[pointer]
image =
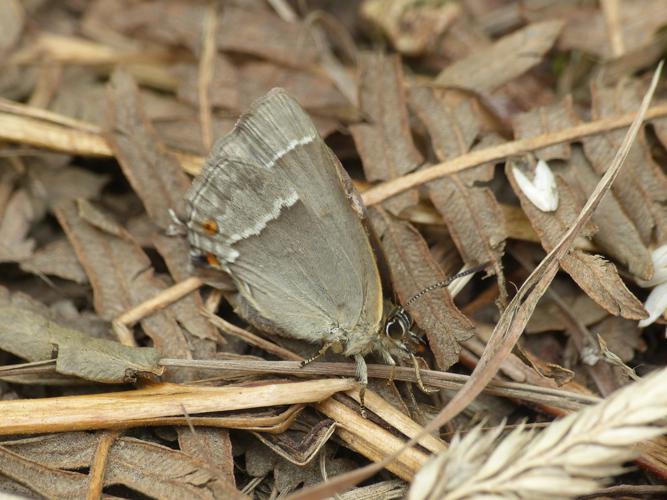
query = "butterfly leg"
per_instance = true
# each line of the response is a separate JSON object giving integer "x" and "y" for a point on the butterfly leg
{"x": 418, "y": 375}
{"x": 362, "y": 378}
{"x": 318, "y": 354}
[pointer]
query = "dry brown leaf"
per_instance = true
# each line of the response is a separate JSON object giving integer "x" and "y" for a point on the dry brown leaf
{"x": 160, "y": 472}
{"x": 56, "y": 258}
{"x": 48, "y": 449}
{"x": 155, "y": 176}
{"x": 179, "y": 22}
{"x": 44, "y": 480}
{"x": 211, "y": 446}
{"x": 50, "y": 185}
{"x": 412, "y": 269}
{"x": 597, "y": 277}
{"x": 544, "y": 120}
{"x": 121, "y": 276}
{"x": 616, "y": 235}
{"x": 472, "y": 214}
{"x": 384, "y": 142}
{"x": 487, "y": 69}
{"x": 145, "y": 467}
{"x": 36, "y": 338}
{"x": 642, "y": 187}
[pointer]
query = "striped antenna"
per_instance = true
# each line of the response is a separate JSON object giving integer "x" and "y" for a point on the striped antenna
{"x": 446, "y": 282}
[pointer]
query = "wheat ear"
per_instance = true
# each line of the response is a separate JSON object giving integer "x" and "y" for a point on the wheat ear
{"x": 574, "y": 456}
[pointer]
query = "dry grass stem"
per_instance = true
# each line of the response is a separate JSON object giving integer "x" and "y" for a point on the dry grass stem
{"x": 571, "y": 457}
{"x": 444, "y": 380}
{"x": 160, "y": 301}
{"x": 206, "y": 65}
{"x": 123, "y": 409}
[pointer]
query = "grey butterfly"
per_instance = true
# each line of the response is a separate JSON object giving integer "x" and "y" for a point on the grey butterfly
{"x": 274, "y": 208}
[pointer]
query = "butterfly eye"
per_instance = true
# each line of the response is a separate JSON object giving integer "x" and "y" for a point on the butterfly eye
{"x": 395, "y": 329}
{"x": 398, "y": 325}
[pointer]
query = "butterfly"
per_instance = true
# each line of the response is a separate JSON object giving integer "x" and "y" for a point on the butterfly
{"x": 274, "y": 208}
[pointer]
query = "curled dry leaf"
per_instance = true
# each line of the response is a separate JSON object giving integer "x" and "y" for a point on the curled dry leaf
{"x": 573, "y": 456}
{"x": 35, "y": 338}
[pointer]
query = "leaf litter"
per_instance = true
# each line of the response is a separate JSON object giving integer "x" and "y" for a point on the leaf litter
{"x": 105, "y": 107}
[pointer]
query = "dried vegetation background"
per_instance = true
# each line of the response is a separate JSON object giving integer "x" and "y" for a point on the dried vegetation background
{"x": 479, "y": 131}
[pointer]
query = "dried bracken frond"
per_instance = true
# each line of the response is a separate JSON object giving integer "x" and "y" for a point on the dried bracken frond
{"x": 573, "y": 456}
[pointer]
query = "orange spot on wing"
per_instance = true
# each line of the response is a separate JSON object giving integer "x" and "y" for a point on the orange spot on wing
{"x": 212, "y": 260}
{"x": 210, "y": 226}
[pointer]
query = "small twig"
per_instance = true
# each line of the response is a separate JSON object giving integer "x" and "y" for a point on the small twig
{"x": 160, "y": 301}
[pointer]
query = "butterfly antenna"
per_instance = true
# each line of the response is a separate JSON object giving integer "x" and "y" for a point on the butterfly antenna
{"x": 446, "y": 282}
